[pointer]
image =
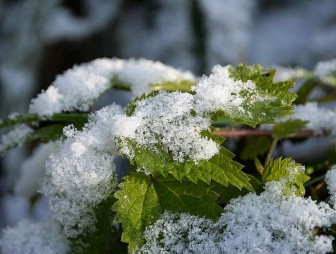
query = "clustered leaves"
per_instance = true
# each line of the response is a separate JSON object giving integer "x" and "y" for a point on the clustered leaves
{"x": 180, "y": 166}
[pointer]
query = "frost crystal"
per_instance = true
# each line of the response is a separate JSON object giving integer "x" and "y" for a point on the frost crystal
{"x": 82, "y": 173}
{"x": 325, "y": 70}
{"x": 267, "y": 223}
{"x": 166, "y": 121}
{"x": 16, "y": 137}
{"x": 34, "y": 238}
{"x": 77, "y": 88}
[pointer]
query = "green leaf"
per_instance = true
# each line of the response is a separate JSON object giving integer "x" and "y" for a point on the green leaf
{"x": 289, "y": 170}
{"x": 132, "y": 105}
{"x": 284, "y": 129}
{"x": 171, "y": 86}
{"x": 137, "y": 207}
{"x": 230, "y": 192}
{"x": 43, "y": 134}
{"x": 255, "y": 146}
{"x": 220, "y": 168}
{"x": 269, "y": 101}
{"x": 97, "y": 241}
{"x": 80, "y": 118}
{"x": 259, "y": 166}
{"x": 46, "y": 129}
{"x": 142, "y": 199}
{"x": 305, "y": 89}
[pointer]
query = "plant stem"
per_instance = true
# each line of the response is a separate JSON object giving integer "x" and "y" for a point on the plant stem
{"x": 270, "y": 152}
{"x": 315, "y": 180}
{"x": 19, "y": 119}
{"x": 257, "y": 132}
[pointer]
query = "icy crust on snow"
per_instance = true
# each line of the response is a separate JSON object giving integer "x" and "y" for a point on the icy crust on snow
{"x": 166, "y": 121}
{"x": 325, "y": 70}
{"x": 34, "y": 238}
{"x": 77, "y": 88}
{"x": 15, "y": 137}
{"x": 81, "y": 174}
{"x": 267, "y": 223}
{"x": 330, "y": 180}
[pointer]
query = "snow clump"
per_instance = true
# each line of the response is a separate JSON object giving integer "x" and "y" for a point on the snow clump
{"x": 326, "y": 70}
{"x": 79, "y": 87}
{"x": 81, "y": 174}
{"x": 166, "y": 121}
{"x": 35, "y": 238}
{"x": 267, "y": 223}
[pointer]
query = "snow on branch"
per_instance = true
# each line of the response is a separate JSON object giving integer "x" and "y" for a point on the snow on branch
{"x": 77, "y": 88}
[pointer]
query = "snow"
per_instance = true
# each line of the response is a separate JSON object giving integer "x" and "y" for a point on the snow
{"x": 32, "y": 171}
{"x": 326, "y": 70}
{"x": 330, "y": 180}
{"x": 79, "y": 87}
{"x": 166, "y": 121}
{"x": 81, "y": 173}
{"x": 271, "y": 222}
{"x": 34, "y": 238}
{"x": 221, "y": 92}
{"x": 15, "y": 137}
{"x": 321, "y": 120}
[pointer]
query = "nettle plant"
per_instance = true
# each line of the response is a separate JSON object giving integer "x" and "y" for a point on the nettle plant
{"x": 185, "y": 191}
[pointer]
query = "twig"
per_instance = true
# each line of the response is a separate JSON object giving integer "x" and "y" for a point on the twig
{"x": 257, "y": 132}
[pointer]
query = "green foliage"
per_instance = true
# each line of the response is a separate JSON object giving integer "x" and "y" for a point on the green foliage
{"x": 230, "y": 192}
{"x": 98, "y": 241}
{"x": 132, "y": 105}
{"x": 285, "y": 129}
{"x": 56, "y": 118}
{"x": 44, "y": 129}
{"x": 288, "y": 170}
{"x": 142, "y": 199}
{"x": 43, "y": 135}
{"x": 276, "y": 99}
{"x": 200, "y": 188}
{"x": 220, "y": 168}
{"x": 255, "y": 146}
{"x": 306, "y": 88}
{"x": 171, "y": 86}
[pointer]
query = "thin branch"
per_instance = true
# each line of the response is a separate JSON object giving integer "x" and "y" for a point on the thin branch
{"x": 257, "y": 132}
{"x": 270, "y": 152}
{"x": 314, "y": 181}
